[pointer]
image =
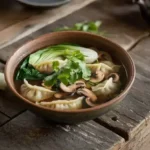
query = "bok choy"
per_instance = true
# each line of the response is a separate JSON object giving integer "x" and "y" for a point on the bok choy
{"x": 60, "y": 52}
{"x": 60, "y": 63}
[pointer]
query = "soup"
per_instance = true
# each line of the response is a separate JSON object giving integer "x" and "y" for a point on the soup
{"x": 69, "y": 77}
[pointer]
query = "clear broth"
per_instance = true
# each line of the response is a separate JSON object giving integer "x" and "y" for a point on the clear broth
{"x": 122, "y": 73}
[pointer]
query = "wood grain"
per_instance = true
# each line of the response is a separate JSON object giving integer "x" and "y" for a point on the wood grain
{"x": 11, "y": 12}
{"x": 132, "y": 115}
{"x": 22, "y": 29}
{"x": 34, "y": 133}
{"x": 9, "y": 104}
{"x": 141, "y": 141}
{"x": 117, "y": 21}
{"x": 3, "y": 119}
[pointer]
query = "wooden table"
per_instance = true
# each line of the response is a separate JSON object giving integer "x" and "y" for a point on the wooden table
{"x": 126, "y": 127}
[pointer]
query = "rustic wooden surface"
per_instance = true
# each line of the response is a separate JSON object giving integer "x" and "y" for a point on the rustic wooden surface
{"x": 34, "y": 133}
{"x": 9, "y": 104}
{"x": 116, "y": 24}
{"x": 25, "y": 27}
{"x": 134, "y": 112}
{"x": 10, "y": 11}
{"x": 126, "y": 127}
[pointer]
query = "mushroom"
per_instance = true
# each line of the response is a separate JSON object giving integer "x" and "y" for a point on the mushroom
{"x": 98, "y": 76}
{"x": 115, "y": 77}
{"x": 90, "y": 96}
{"x": 73, "y": 87}
{"x": 104, "y": 56}
{"x": 60, "y": 95}
{"x": 90, "y": 103}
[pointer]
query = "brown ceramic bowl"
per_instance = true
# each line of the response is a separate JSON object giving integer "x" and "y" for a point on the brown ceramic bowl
{"x": 81, "y": 38}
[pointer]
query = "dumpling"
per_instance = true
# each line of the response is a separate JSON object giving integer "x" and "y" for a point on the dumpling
{"x": 106, "y": 89}
{"x": 47, "y": 67}
{"x": 112, "y": 65}
{"x": 73, "y": 104}
{"x": 108, "y": 67}
{"x": 35, "y": 93}
{"x": 94, "y": 67}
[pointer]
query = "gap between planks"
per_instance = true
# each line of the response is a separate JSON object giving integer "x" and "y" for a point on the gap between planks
{"x": 11, "y": 118}
{"x": 116, "y": 130}
{"x": 138, "y": 41}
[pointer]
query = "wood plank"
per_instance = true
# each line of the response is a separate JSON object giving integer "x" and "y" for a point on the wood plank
{"x": 141, "y": 141}
{"x": 3, "y": 119}
{"x": 9, "y": 104}
{"x": 34, "y": 23}
{"x": 118, "y": 23}
{"x": 133, "y": 115}
{"x": 34, "y": 133}
{"x": 14, "y": 13}
{"x": 141, "y": 53}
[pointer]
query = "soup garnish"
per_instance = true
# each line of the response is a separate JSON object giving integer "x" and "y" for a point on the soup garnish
{"x": 69, "y": 77}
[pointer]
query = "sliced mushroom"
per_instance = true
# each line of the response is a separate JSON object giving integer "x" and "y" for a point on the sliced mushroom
{"x": 73, "y": 87}
{"x": 90, "y": 96}
{"x": 87, "y": 93}
{"x": 104, "y": 56}
{"x": 98, "y": 76}
{"x": 88, "y": 102}
{"x": 115, "y": 77}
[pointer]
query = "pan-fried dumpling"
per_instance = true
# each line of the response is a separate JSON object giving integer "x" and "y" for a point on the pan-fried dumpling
{"x": 108, "y": 67}
{"x": 47, "y": 67}
{"x": 35, "y": 93}
{"x": 72, "y": 104}
{"x": 106, "y": 89}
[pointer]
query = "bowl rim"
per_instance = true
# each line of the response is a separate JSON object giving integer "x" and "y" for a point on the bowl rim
{"x": 47, "y": 4}
{"x": 104, "y": 105}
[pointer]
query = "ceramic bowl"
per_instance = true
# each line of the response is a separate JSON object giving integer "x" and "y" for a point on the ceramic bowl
{"x": 43, "y": 3}
{"x": 83, "y": 39}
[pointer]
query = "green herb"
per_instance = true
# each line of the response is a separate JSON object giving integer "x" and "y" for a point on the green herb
{"x": 51, "y": 79}
{"x": 55, "y": 65}
{"x": 75, "y": 69}
{"x": 52, "y": 55}
{"x": 26, "y": 71}
{"x": 92, "y": 27}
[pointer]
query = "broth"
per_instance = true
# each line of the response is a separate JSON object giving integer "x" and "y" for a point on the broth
{"x": 123, "y": 79}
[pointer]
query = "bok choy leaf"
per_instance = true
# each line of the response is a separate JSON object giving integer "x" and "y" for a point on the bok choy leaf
{"x": 26, "y": 71}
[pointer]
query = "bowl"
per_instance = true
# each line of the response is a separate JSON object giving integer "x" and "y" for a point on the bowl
{"x": 80, "y": 38}
{"x": 43, "y": 3}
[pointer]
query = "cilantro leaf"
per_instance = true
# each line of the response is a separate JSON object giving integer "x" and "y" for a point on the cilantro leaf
{"x": 55, "y": 65}
{"x": 74, "y": 70}
{"x": 92, "y": 27}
